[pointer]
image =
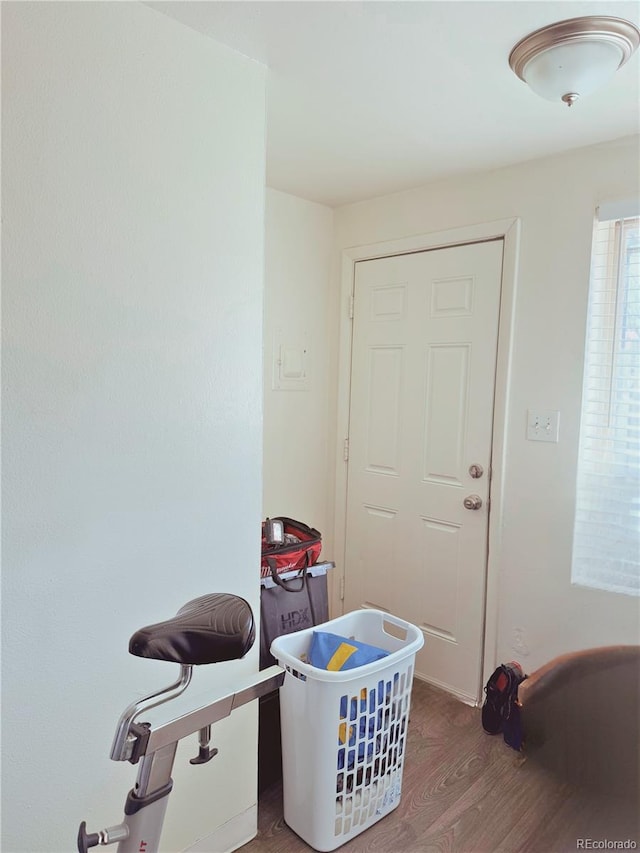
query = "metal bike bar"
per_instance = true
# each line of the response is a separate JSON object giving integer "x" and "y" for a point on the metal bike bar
{"x": 122, "y": 743}
{"x": 252, "y": 687}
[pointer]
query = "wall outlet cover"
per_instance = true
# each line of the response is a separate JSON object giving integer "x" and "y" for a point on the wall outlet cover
{"x": 543, "y": 425}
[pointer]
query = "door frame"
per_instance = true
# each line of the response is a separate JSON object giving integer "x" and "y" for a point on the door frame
{"x": 509, "y": 231}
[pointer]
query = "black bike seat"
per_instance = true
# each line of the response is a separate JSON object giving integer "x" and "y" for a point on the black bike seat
{"x": 209, "y": 629}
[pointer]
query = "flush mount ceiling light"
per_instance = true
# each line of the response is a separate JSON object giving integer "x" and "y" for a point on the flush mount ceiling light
{"x": 572, "y": 58}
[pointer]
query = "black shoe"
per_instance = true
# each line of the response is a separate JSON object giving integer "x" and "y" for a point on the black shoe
{"x": 499, "y": 689}
{"x": 512, "y": 727}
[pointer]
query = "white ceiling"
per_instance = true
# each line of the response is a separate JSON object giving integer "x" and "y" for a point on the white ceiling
{"x": 368, "y": 98}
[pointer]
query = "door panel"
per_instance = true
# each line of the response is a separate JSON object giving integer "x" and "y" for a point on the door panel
{"x": 445, "y": 414}
{"x": 383, "y": 427}
{"x": 422, "y": 386}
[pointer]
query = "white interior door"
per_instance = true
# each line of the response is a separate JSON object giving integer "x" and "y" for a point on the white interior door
{"x": 422, "y": 389}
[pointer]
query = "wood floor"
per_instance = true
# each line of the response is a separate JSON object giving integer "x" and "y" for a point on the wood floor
{"x": 465, "y": 791}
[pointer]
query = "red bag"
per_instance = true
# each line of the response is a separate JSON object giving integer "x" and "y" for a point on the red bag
{"x": 301, "y": 548}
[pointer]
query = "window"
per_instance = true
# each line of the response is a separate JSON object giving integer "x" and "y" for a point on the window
{"x": 606, "y": 547}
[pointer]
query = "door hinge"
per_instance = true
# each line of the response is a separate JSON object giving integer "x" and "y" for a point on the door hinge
{"x": 351, "y": 306}
{"x": 342, "y": 588}
{"x": 345, "y": 450}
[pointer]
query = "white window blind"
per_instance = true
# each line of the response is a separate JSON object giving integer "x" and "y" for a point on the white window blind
{"x": 606, "y": 548}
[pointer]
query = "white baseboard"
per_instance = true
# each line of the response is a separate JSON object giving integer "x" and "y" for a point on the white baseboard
{"x": 231, "y": 835}
{"x": 463, "y": 697}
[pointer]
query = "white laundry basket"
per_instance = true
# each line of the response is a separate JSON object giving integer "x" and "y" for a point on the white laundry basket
{"x": 344, "y": 733}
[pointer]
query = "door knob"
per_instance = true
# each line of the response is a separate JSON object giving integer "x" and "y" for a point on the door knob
{"x": 472, "y": 502}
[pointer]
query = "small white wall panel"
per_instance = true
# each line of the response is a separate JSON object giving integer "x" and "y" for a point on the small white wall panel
{"x": 290, "y": 361}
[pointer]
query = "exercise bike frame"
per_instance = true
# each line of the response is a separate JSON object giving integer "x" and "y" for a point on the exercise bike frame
{"x": 153, "y": 748}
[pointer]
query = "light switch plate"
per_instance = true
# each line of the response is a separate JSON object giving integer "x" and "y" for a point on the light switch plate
{"x": 543, "y": 425}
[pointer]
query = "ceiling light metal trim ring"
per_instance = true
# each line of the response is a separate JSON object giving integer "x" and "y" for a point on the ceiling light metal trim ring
{"x": 591, "y": 28}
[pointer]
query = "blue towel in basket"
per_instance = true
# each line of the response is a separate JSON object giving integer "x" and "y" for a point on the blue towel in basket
{"x": 334, "y": 653}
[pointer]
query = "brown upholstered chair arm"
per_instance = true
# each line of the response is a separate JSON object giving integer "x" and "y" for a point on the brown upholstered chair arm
{"x": 580, "y": 718}
{"x": 569, "y": 668}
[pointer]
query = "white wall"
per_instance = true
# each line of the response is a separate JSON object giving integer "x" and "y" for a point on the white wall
{"x": 297, "y": 428}
{"x": 555, "y": 199}
{"x": 133, "y": 212}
